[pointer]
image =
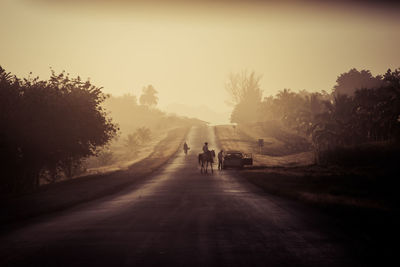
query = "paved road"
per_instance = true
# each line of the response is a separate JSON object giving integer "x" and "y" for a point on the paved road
{"x": 179, "y": 217}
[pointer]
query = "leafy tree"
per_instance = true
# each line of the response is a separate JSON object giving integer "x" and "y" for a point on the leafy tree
{"x": 48, "y": 125}
{"x": 337, "y": 122}
{"x": 377, "y": 109}
{"x": 296, "y": 111}
{"x": 149, "y": 96}
{"x": 244, "y": 90}
{"x": 347, "y": 83}
{"x": 370, "y": 115}
{"x": 307, "y": 112}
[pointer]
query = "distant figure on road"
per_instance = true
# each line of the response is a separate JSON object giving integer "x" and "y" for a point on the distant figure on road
{"x": 185, "y": 148}
{"x": 205, "y": 147}
{"x": 220, "y": 159}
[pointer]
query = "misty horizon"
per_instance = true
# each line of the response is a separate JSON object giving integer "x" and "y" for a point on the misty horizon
{"x": 187, "y": 53}
{"x": 199, "y": 132}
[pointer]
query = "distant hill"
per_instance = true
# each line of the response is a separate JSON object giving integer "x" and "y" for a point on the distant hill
{"x": 201, "y": 112}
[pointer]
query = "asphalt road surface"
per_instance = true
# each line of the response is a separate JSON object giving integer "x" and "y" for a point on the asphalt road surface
{"x": 179, "y": 217}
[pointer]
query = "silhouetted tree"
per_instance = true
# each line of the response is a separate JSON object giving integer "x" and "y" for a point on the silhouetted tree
{"x": 370, "y": 115}
{"x": 48, "y": 125}
{"x": 377, "y": 109}
{"x": 149, "y": 96}
{"x": 244, "y": 90}
{"x": 306, "y": 114}
{"x": 347, "y": 83}
{"x": 296, "y": 111}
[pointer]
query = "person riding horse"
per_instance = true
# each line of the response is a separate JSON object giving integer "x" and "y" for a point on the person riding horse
{"x": 206, "y": 158}
{"x": 207, "y": 153}
{"x": 205, "y": 147}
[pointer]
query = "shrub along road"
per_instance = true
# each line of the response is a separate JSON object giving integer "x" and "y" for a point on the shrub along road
{"x": 179, "y": 217}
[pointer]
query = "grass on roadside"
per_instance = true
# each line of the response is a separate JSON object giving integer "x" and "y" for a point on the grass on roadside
{"x": 363, "y": 203}
{"x": 330, "y": 187}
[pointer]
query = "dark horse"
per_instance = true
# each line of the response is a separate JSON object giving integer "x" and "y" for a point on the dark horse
{"x": 204, "y": 159}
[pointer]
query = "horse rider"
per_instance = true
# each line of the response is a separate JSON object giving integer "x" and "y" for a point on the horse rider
{"x": 220, "y": 159}
{"x": 205, "y": 148}
{"x": 185, "y": 147}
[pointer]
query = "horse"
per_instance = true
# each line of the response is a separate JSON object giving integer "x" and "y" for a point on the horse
{"x": 204, "y": 159}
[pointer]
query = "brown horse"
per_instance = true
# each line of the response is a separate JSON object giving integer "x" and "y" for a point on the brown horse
{"x": 205, "y": 159}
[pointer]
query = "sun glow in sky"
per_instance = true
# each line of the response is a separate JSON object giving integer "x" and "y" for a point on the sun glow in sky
{"x": 187, "y": 51}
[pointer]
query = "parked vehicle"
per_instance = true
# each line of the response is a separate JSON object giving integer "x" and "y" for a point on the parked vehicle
{"x": 237, "y": 159}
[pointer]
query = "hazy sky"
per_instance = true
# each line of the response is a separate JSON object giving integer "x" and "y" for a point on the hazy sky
{"x": 186, "y": 51}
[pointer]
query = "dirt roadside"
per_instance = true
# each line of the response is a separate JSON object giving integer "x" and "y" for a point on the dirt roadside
{"x": 62, "y": 195}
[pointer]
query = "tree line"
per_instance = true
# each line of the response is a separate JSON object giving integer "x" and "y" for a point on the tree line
{"x": 361, "y": 108}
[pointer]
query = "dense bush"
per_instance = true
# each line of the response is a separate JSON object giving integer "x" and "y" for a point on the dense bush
{"x": 141, "y": 136}
{"x": 48, "y": 126}
{"x": 366, "y": 154}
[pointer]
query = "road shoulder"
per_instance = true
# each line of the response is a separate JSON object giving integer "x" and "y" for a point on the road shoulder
{"x": 63, "y": 195}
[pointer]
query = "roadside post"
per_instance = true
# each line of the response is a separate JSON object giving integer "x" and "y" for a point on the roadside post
{"x": 260, "y": 144}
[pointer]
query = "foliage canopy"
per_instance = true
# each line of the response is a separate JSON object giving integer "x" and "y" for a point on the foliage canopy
{"x": 48, "y": 126}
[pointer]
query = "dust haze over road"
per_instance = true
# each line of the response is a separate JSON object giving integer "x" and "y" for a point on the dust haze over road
{"x": 178, "y": 217}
